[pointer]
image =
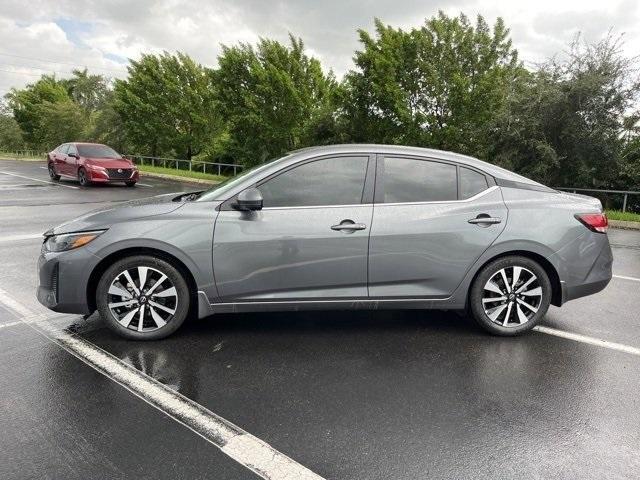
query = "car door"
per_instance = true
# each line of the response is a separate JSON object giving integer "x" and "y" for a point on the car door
{"x": 432, "y": 220}
{"x": 309, "y": 241}
{"x": 59, "y": 157}
{"x": 71, "y": 161}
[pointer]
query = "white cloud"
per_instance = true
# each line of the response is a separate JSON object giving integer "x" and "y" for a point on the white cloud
{"x": 97, "y": 30}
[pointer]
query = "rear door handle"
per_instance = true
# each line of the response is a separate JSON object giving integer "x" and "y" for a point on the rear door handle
{"x": 485, "y": 220}
{"x": 348, "y": 225}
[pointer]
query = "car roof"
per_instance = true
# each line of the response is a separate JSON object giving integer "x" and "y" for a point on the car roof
{"x": 493, "y": 170}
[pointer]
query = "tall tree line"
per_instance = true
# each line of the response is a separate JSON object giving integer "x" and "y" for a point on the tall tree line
{"x": 452, "y": 84}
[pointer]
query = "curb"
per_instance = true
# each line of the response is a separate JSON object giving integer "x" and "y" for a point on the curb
{"x": 624, "y": 224}
{"x": 178, "y": 178}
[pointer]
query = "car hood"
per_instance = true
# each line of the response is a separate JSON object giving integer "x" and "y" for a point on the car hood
{"x": 121, "y": 212}
{"x": 109, "y": 162}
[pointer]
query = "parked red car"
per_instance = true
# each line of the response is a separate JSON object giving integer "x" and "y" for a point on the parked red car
{"x": 91, "y": 163}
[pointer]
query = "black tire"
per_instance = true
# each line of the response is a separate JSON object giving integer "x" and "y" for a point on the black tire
{"x": 52, "y": 172}
{"x": 173, "y": 322}
{"x": 82, "y": 178}
{"x": 515, "y": 324}
{"x": 130, "y": 184}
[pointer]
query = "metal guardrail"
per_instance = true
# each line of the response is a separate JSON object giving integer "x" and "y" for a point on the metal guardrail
{"x": 24, "y": 153}
{"x": 204, "y": 167}
{"x": 625, "y": 193}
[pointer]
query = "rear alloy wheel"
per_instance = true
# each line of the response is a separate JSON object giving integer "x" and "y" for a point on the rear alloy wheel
{"x": 52, "y": 172}
{"x": 82, "y": 177}
{"x": 510, "y": 295}
{"x": 143, "y": 298}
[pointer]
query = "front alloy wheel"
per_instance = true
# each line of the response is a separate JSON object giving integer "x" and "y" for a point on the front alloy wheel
{"x": 510, "y": 295}
{"x": 82, "y": 178}
{"x": 143, "y": 298}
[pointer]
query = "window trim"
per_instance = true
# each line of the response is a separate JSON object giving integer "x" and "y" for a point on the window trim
{"x": 379, "y": 192}
{"x": 366, "y": 197}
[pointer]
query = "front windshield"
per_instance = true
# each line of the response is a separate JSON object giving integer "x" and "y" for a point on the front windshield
{"x": 97, "y": 151}
{"x": 218, "y": 192}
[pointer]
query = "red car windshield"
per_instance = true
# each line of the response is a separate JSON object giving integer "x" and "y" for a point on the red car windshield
{"x": 97, "y": 151}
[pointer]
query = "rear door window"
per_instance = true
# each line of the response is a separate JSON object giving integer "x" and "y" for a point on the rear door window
{"x": 410, "y": 180}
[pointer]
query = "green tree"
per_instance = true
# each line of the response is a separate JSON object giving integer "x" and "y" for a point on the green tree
{"x": 269, "y": 95}
{"x": 437, "y": 86}
{"x": 566, "y": 124}
{"x": 167, "y": 105}
{"x": 11, "y": 137}
{"x": 88, "y": 91}
{"x": 30, "y": 104}
{"x": 60, "y": 122}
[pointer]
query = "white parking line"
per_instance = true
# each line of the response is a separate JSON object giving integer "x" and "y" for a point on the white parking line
{"x": 10, "y": 324}
{"x": 15, "y": 238}
{"x": 590, "y": 340}
{"x": 633, "y": 279}
{"x": 38, "y": 180}
{"x": 249, "y": 451}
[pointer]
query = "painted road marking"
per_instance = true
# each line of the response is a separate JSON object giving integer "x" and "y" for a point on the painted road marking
{"x": 10, "y": 324}
{"x": 249, "y": 451}
{"x": 633, "y": 279}
{"x": 15, "y": 238}
{"x": 38, "y": 180}
{"x": 586, "y": 339}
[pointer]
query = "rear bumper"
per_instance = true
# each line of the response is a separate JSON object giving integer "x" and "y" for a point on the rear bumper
{"x": 598, "y": 274}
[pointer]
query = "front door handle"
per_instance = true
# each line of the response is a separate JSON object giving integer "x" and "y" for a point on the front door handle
{"x": 484, "y": 220}
{"x": 348, "y": 225}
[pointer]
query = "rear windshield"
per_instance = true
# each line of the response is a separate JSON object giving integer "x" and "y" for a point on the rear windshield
{"x": 97, "y": 151}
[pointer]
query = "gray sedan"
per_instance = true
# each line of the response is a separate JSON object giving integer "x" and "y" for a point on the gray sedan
{"x": 339, "y": 227}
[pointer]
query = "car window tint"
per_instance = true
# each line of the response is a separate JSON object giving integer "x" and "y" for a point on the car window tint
{"x": 62, "y": 149}
{"x": 330, "y": 181}
{"x": 72, "y": 149}
{"x": 471, "y": 183}
{"x": 411, "y": 180}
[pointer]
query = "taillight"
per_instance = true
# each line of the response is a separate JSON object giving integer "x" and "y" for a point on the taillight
{"x": 596, "y": 222}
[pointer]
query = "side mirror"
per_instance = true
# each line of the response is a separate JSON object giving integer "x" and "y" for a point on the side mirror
{"x": 74, "y": 155}
{"x": 249, "y": 200}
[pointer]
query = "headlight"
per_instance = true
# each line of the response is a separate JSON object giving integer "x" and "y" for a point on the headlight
{"x": 69, "y": 241}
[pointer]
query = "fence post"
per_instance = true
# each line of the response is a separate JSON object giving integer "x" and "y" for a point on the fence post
{"x": 234, "y": 170}
{"x": 218, "y": 169}
{"x": 190, "y": 163}
{"x": 624, "y": 203}
{"x": 204, "y": 165}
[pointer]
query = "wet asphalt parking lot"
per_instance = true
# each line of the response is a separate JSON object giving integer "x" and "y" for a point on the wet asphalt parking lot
{"x": 346, "y": 395}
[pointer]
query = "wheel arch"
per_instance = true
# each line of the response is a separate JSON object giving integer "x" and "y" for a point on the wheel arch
{"x": 549, "y": 268}
{"x": 107, "y": 261}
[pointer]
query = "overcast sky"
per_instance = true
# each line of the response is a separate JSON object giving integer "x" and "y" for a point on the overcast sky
{"x": 46, "y": 36}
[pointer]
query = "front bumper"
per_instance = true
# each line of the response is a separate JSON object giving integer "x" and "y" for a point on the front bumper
{"x": 64, "y": 277}
{"x": 101, "y": 176}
